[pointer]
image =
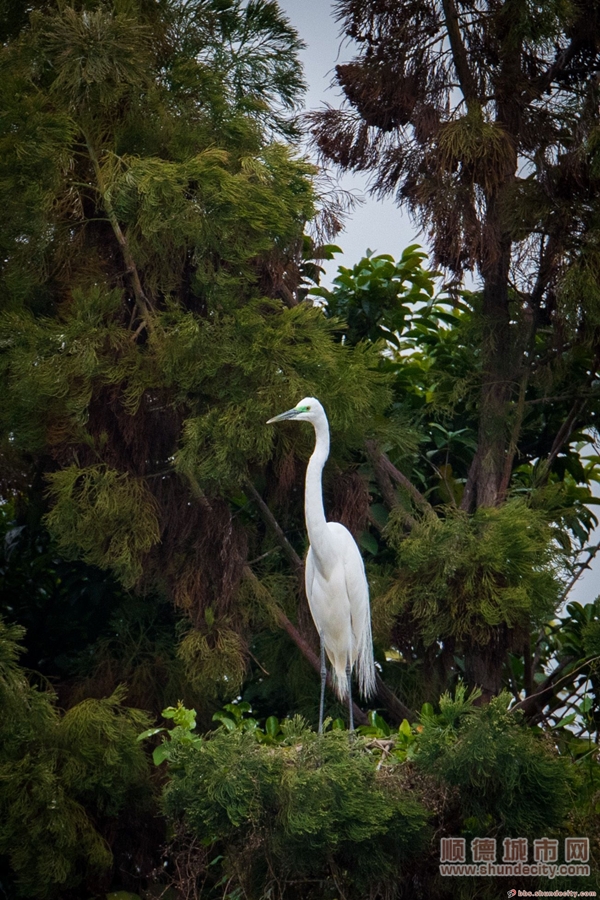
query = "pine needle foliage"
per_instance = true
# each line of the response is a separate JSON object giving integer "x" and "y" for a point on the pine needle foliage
{"x": 509, "y": 779}
{"x": 107, "y": 517}
{"x": 214, "y": 659}
{"x": 60, "y": 775}
{"x": 311, "y": 814}
{"x": 461, "y": 576}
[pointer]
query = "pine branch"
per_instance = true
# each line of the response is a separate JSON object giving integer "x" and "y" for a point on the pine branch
{"x": 142, "y": 302}
{"x": 278, "y": 530}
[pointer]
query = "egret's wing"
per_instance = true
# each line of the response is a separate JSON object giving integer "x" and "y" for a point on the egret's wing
{"x": 357, "y": 589}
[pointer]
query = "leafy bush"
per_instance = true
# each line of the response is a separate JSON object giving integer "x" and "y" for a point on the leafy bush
{"x": 317, "y": 813}
{"x": 508, "y": 777}
{"x": 60, "y": 774}
{"x": 281, "y": 811}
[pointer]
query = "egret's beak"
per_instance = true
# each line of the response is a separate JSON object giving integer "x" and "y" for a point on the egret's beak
{"x": 290, "y": 414}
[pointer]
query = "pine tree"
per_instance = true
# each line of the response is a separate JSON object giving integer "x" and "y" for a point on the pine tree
{"x": 153, "y": 246}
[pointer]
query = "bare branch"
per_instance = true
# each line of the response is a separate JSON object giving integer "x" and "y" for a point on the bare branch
{"x": 382, "y": 476}
{"x": 386, "y": 470}
{"x": 396, "y": 708}
{"x": 459, "y": 53}
{"x": 534, "y": 704}
{"x": 564, "y": 433}
{"x": 580, "y": 567}
{"x": 543, "y": 82}
{"x": 276, "y": 527}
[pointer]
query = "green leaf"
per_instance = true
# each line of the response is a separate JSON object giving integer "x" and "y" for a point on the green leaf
{"x": 226, "y": 720}
{"x": 272, "y": 726}
{"x": 149, "y": 733}
{"x": 161, "y": 753}
{"x": 405, "y": 728}
{"x": 567, "y": 720}
{"x": 368, "y": 542}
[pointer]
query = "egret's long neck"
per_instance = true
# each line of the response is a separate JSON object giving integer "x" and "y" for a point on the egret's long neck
{"x": 313, "y": 494}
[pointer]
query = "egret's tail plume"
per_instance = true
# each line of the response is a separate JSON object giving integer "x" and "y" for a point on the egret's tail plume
{"x": 365, "y": 664}
{"x": 364, "y": 668}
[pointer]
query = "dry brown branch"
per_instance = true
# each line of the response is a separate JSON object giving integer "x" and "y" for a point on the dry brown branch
{"x": 270, "y": 519}
{"x": 388, "y": 472}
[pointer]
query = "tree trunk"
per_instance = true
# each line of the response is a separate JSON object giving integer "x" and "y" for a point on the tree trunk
{"x": 487, "y": 476}
{"x": 484, "y": 664}
{"x": 484, "y": 484}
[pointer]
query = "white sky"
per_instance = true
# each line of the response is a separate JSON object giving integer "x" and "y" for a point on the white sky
{"x": 377, "y": 225}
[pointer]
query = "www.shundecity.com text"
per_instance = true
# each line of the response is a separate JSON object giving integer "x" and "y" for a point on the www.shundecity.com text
{"x": 547, "y": 870}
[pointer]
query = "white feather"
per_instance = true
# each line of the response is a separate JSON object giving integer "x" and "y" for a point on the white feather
{"x": 336, "y": 584}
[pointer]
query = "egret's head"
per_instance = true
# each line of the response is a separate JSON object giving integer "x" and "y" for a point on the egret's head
{"x": 308, "y": 410}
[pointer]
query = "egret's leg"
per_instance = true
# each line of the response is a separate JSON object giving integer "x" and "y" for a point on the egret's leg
{"x": 323, "y": 680}
{"x": 349, "y": 682}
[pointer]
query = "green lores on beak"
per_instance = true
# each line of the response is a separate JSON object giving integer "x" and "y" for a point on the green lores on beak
{"x": 290, "y": 414}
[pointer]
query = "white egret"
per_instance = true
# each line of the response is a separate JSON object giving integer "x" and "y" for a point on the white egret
{"x": 336, "y": 584}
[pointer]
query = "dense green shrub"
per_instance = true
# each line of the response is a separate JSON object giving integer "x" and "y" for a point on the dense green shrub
{"x": 507, "y": 776}
{"x": 312, "y": 812}
{"x": 282, "y": 812}
{"x": 61, "y": 775}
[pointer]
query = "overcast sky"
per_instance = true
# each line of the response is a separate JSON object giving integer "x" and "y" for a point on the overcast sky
{"x": 378, "y": 225}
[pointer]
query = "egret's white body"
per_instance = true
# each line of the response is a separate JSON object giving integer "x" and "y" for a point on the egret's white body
{"x": 336, "y": 584}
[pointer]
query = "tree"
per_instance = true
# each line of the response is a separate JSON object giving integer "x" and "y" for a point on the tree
{"x": 145, "y": 340}
{"x": 152, "y": 256}
{"x": 483, "y": 119}
{"x": 448, "y": 579}
{"x": 65, "y": 780}
{"x": 155, "y": 274}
